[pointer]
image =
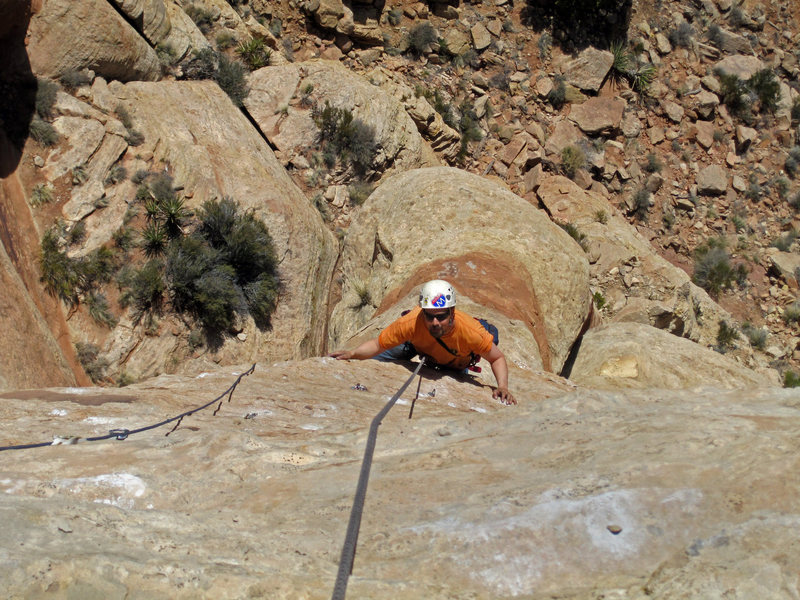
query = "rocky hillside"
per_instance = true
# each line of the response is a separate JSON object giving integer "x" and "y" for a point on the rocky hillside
{"x": 691, "y": 186}
{"x": 189, "y": 187}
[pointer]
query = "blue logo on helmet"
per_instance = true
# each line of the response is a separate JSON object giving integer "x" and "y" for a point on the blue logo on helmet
{"x": 439, "y": 301}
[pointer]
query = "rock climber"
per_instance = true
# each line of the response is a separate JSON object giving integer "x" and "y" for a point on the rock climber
{"x": 449, "y": 338}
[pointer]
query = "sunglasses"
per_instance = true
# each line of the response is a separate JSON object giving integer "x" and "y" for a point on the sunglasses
{"x": 441, "y": 316}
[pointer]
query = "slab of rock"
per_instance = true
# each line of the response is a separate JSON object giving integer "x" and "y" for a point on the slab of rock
{"x": 625, "y": 264}
{"x": 685, "y": 493}
{"x": 481, "y": 38}
{"x": 637, "y": 355}
{"x": 703, "y": 133}
{"x": 598, "y": 116}
{"x": 564, "y": 134}
{"x": 589, "y": 69}
{"x": 536, "y": 280}
{"x": 189, "y": 126}
{"x": 732, "y": 43}
{"x": 70, "y": 35}
{"x": 289, "y": 125}
{"x": 743, "y": 66}
{"x": 712, "y": 180}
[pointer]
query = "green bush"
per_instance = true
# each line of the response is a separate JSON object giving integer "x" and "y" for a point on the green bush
{"x": 575, "y": 233}
{"x": 117, "y": 174}
{"x": 60, "y": 273}
{"x": 572, "y": 159}
{"x": 792, "y": 162}
{"x": 784, "y": 242}
{"x": 713, "y": 270}
{"x": 143, "y": 289}
{"x": 154, "y": 239}
{"x": 641, "y": 205}
{"x": 394, "y": 16}
{"x": 653, "y": 164}
{"x": 421, "y": 38}
{"x": 599, "y": 300}
{"x": 726, "y": 337}
{"x": 202, "y": 17}
{"x": 231, "y": 77}
{"x": 77, "y": 233}
{"x": 791, "y": 379}
{"x": 89, "y": 357}
{"x": 225, "y": 40}
{"x": 767, "y": 88}
{"x": 99, "y": 310}
{"x": 791, "y": 313}
{"x": 227, "y": 266}
{"x": 558, "y": 95}
{"x": 41, "y": 194}
{"x": 363, "y": 295}
{"x": 254, "y": 53}
{"x": 345, "y": 137}
{"x": 681, "y": 36}
{"x": 43, "y": 132}
{"x": 46, "y": 92}
{"x": 757, "y": 336}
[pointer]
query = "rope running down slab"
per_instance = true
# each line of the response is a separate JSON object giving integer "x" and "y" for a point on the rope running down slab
{"x": 121, "y": 434}
{"x": 351, "y": 539}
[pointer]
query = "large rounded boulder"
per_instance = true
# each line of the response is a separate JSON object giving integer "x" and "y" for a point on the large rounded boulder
{"x": 503, "y": 255}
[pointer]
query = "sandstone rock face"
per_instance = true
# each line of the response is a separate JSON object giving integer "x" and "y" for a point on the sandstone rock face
{"x": 598, "y": 115}
{"x": 589, "y": 69}
{"x": 198, "y": 133}
{"x": 574, "y": 493}
{"x": 290, "y": 127}
{"x": 513, "y": 260}
{"x": 640, "y": 285}
{"x": 635, "y": 355}
{"x": 69, "y": 35}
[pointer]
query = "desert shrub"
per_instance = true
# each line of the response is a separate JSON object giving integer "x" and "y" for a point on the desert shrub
{"x": 76, "y": 233}
{"x": 143, "y": 289}
{"x": 140, "y": 176}
{"x": 641, "y": 77}
{"x": 79, "y": 175}
{"x": 421, "y": 38}
{"x": 545, "y": 44}
{"x": 653, "y": 164}
{"x": 225, "y": 40}
{"x": 791, "y": 379}
{"x": 162, "y": 188}
{"x": 275, "y": 27}
{"x": 89, "y": 357}
{"x": 599, "y": 300}
{"x": 59, "y": 273}
{"x": 791, "y": 313}
{"x": 572, "y": 159}
{"x": 124, "y": 116}
{"x": 123, "y": 238}
{"x": 575, "y": 233}
{"x": 713, "y": 270}
{"x": 794, "y": 201}
{"x": 72, "y": 80}
{"x": 154, "y": 239}
{"x": 167, "y": 55}
{"x": 134, "y": 137}
{"x": 601, "y": 216}
{"x": 500, "y": 81}
{"x": 345, "y": 137}
{"x": 361, "y": 290}
{"x": 202, "y": 17}
{"x": 795, "y": 111}
{"x": 41, "y": 194}
{"x": 227, "y": 266}
{"x": 359, "y": 191}
{"x": 782, "y": 186}
{"x": 116, "y": 174}
{"x": 621, "y": 60}
{"x": 792, "y": 162}
{"x": 737, "y": 17}
{"x": 231, "y": 77}
{"x": 558, "y": 95}
{"x": 124, "y": 379}
{"x": 43, "y": 132}
{"x": 395, "y": 16}
{"x": 681, "y": 36}
{"x": 784, "y": 242}
{"x": 726, "y": 337}
{"x": 46, "y": 92}
{"x": 100, "y": 310}
{"x": 97, "y": 267}
{"x": 714, "y": 35}
{"x": 734, "y": 94}
{"x": 767, "y": 88}
{"x": 754, "y": 190}
{"x": 757, "y": 336}
{"x": 254, "y": 53}
{"x": 641, "y": 204}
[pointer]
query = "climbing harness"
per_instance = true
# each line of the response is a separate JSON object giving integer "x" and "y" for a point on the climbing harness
{"x": 122, "y": 434}
{"x": 351, "y": 539}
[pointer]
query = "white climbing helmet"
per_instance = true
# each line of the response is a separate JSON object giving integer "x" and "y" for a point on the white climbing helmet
{"x": 437, "y": 294}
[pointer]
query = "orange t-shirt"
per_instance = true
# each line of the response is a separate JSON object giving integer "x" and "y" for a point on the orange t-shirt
{"x": 467, "y": 336}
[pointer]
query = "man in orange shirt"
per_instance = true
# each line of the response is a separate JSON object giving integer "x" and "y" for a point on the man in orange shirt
{"x": 447, "y": 337}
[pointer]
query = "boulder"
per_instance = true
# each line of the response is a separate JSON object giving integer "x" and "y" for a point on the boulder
{"x": 536, "y": 280}
{"x": 623, "y": 264}
{"x": 289, "y": 125}
{"x": 589, "y": 70}
{"x": 732, "y": 43}
{"x": 481, "y": 38}
{"x": 598, "y": 116}
{"x": 564, "y": 134}
{"x": 743, "y": 66}
{"x": 188, "y": 127}
{"x": 712, "y": 180}
{"x": 69, "y": 35}
{"x": 639, "y": 356}
{"x": 574, "y": 493}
